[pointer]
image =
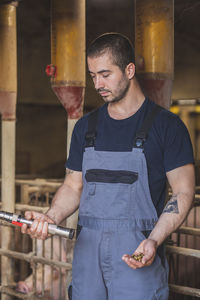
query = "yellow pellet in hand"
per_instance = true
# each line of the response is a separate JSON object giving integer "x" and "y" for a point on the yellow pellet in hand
{"x": 138, "y": 256}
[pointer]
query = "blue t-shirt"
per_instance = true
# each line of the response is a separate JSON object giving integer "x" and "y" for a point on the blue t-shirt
{"x": 167, "y": 147}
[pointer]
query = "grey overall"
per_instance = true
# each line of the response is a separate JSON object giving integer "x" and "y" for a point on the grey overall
{"x": 116, "y": 211}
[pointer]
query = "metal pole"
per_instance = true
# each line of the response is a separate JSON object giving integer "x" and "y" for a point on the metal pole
{"x": 8, "y": 94}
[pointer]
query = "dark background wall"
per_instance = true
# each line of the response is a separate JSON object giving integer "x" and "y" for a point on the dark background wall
{"x": 41, "y": 120}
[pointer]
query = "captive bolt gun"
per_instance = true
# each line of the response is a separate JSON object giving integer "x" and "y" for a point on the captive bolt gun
{"x": 53, "y": 229}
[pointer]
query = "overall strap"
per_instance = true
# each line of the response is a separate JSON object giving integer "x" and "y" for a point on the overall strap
{"x": 142, "y": 133}
{"x": 91, "y": 133}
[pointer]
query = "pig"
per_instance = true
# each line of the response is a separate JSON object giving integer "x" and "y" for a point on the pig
{"x": 54, "y": 284}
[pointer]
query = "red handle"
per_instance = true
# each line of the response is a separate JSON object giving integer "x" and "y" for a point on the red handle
{"x": 17, "y": 223}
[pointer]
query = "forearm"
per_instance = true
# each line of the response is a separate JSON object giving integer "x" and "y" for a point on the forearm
{"x": 64, "y": 203}
{"x": 172, "y": 217}
{"x": 67, "y": 198}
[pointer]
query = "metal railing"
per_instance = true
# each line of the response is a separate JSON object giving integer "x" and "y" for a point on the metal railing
{"x": 43, "y": 266}
{"x": 184, "y": 256}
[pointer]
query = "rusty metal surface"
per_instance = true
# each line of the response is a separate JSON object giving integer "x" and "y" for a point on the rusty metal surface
{"x": 72, "y": 98}
{"x": 157, "y": 88}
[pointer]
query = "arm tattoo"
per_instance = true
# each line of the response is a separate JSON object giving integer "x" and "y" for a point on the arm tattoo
{"x": 172, "y": 206}
{"x": 68, "y": 171}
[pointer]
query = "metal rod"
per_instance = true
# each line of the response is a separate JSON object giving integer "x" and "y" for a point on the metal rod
{"x": 183, "y": 251}
{"x": 189, "y": 230}
{"x": 34, "y": 265}
{"x": 9, "y": 291}
{"x": 185, "y": 290}
{"x": 38, "y": 182}
{"x": 30, "y": 257}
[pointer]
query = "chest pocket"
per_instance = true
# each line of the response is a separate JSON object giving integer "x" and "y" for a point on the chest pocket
{"x": 109, "y": 194}
{"x": 109, "y": 176}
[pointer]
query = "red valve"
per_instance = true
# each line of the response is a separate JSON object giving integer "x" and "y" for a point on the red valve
{"x": 51, "y": 70}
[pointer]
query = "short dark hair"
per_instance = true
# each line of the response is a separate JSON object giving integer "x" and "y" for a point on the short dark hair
{"x": 117, "y": 44}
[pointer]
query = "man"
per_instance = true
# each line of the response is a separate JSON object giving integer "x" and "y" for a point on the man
{"x": 120, "y": 158}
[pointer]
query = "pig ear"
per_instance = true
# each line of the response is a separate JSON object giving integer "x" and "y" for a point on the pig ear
{"x": 70, "y": 292}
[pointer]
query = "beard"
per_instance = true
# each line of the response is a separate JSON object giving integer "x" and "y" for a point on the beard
{"x": 119, "y": 93}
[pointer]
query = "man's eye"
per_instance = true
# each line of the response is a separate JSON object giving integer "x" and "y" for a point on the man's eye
{"x": 105, "y": 75}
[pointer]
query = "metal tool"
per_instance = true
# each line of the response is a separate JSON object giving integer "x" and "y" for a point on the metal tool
{"x": 18, "y": 220}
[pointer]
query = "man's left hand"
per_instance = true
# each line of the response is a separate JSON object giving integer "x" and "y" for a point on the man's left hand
{"x": 148, "y": 248}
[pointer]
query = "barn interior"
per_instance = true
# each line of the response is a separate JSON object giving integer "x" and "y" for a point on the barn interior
{"x": 37, "y": 121}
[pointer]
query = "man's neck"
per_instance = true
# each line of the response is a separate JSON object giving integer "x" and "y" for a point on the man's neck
{"x": 129, "y": 105}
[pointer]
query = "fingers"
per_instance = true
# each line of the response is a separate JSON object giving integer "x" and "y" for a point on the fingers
{"x": 134, "y": 264}
{"x": 29, "y": 216}
{"x": 39, "y": 227}
{"x": 24, "y": 228}
{"x": 44, "y": 231}
{"x": 131, "y": 262}
{"x": 148, "y": 249}
{"x": 148, "y": 259}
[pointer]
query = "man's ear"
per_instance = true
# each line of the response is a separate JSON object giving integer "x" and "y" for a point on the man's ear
{"x": 130, "y": 70}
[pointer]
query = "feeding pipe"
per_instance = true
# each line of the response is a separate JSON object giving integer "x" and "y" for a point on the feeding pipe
{"x": 154, "y": 46}
{"x": 67, "y": 68}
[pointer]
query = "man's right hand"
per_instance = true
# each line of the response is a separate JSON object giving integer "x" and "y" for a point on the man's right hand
{"x": 39, "y": 227}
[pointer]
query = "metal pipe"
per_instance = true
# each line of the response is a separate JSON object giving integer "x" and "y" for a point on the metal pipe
{"x": 8, "y": 96}
{"x": 154, "y": 35}
{"x": 68, "y": 54}
{"x": 183, "y": 251}
{"x": 67, "y": 69}
{"x": 189, "y": 230}
{"x": 184, "y": 290}
{"x": 31, "y": 257}
{"x": 8, "y": 198}
{"x": 10, "y": 291}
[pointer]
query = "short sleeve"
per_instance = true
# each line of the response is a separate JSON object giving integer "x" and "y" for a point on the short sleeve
{"x": 177, "y": 147}
{"x": 74, "y": 161}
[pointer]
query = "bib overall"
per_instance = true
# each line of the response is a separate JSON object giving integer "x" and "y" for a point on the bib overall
{"x": 116, "y": 212}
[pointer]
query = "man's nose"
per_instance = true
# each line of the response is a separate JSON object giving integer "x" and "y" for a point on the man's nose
{"x": 98, "y": 83}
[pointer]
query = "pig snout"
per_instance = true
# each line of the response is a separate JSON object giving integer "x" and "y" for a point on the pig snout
{"x": 22, "y": 287}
